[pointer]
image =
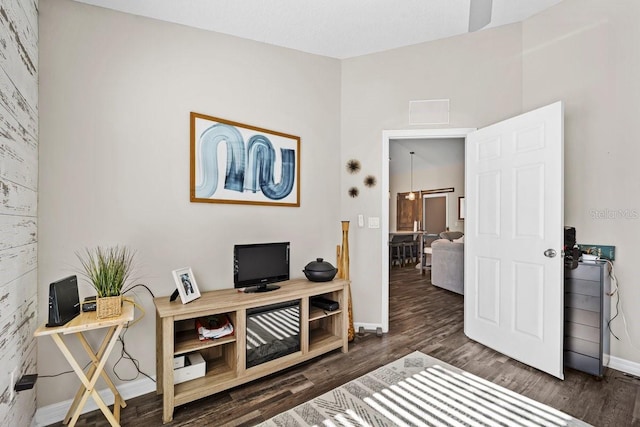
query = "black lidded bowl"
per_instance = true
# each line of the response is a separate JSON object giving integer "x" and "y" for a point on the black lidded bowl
{"x": 320, "y": 271}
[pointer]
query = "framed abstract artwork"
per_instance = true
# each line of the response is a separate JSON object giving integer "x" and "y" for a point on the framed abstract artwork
{"x": 236, "y": 163}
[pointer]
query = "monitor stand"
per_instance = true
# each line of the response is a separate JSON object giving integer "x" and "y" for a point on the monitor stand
{"x": 261, "y": 288}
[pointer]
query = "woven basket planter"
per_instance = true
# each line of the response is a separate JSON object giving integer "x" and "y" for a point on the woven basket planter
{"x": 108, "y": 307}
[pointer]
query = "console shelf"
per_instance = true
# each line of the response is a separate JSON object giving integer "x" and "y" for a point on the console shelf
{"x": 319, "y": 339}
{"x": 188, "y": 342}
{"x": 321, "y": 331}
{"x": 316, "y": 313}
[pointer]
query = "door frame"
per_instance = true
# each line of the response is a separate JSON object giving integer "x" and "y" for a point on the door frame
{"x": 385, "y": 195}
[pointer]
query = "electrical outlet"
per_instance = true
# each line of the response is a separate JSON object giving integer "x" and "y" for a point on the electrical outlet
{"x": 602, "y": 251}
{"x": 374, "y": 222}
{"x": 12, "y": 384}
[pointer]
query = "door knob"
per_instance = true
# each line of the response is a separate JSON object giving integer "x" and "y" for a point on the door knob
{"x": 550, "y": 253}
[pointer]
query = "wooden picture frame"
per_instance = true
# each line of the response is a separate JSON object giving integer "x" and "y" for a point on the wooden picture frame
{"x": 461, "y": 208}
{"x": 186, "y": 284}
{"x": 237, "y": 163}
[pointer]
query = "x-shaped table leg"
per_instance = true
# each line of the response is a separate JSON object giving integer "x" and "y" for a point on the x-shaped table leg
{"x": 96, "y": 370}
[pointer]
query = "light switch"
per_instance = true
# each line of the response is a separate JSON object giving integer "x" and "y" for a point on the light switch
{"x": 374, "y": 222}
{"x": 360, "y": 220}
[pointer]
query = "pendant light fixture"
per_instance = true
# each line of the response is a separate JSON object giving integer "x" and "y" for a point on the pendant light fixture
{"x": 411, "y": 195}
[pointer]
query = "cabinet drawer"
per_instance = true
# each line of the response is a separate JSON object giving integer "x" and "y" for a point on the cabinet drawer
{"x": 584, "y": 317}
{"x": 582, "y": 287}
{"x": 583, "y": 363}
{"x": 583, "y": 302}
{"x": 588, "y": 348}
{"x": 585, "y": 272}
{"x": 584, "y": 332}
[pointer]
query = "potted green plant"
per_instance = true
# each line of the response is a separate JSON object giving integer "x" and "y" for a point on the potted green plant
{"x": 108, "y": 270}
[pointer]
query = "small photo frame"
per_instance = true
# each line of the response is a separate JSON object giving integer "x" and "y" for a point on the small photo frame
{"x": 186, "y": 284}
{"x": 461, "y": 208}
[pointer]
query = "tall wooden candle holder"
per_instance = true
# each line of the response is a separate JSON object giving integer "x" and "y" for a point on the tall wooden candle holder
{"x": 343, "y": 272}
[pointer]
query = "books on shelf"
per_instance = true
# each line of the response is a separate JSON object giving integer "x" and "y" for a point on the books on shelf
{"x": 215, "y": 326}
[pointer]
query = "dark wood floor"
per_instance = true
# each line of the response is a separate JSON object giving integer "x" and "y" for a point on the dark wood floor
{"x": 423, "y": 318}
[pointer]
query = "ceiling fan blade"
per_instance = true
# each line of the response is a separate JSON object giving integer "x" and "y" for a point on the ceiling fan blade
{"x": 479, "y": 14}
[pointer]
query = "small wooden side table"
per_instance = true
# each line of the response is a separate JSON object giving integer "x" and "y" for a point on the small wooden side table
{"x": 87, "y": 321}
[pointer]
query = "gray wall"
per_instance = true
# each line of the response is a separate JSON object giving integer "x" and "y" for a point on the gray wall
{"x": 481, "y": 73}
{"x": 18, "y": 210}
{"x": 584, "y": 53}
{"x": 437, "y": 164}
{"x": 116, "y": 91}
{"x": 444, "y": 176}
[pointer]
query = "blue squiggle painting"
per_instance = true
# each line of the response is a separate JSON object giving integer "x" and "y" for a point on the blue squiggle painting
{"x": 252, "y": 169}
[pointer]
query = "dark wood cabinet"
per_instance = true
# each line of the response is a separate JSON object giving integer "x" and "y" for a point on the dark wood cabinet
{"x": 407, "y": 211}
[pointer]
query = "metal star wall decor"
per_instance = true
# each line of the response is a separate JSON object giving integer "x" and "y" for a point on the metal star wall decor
{"x": 370, "y": 181}
{"x": 353, "y": 166}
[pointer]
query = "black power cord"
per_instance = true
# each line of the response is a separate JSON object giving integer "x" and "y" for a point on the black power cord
{"x": 616, "y": 315}
{"x": 62, "y": 373}
{"x": 124, "y": 353}
{"x": 144, "y": 286}
{"x": 614, "y": 280}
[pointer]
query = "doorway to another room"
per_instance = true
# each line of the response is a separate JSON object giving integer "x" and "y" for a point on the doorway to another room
{"x": 514, "y": 178}
{"x": 437, "y": 179}
{"x": 419, "y": 221}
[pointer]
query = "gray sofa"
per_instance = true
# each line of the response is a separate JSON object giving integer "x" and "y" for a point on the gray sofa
{"x": 447, "y": 265}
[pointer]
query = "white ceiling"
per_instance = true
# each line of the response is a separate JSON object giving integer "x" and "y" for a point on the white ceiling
{"x": 335, "y": 28}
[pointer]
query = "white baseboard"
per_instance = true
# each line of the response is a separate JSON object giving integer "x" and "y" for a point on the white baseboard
{"x": 624, "y": 365}
{"x": 50, "y": 414}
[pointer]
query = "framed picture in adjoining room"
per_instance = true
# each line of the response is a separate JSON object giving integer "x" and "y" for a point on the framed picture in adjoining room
{"x": 186, "y": 284}
{"x": 460, "y": 207}
{"x": 237, "y": 163}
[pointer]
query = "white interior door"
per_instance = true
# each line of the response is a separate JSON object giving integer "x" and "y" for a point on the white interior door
{"x": 514, "y": 291}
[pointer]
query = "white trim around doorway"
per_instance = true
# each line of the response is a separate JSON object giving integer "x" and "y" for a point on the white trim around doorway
{"x": 388, "y": 135}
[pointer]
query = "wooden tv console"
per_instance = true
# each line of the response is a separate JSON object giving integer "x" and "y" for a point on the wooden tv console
{"x": 320, "y": 332}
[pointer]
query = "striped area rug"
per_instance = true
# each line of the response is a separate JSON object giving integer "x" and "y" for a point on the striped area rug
{"x": 418, "y": 390}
